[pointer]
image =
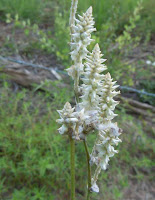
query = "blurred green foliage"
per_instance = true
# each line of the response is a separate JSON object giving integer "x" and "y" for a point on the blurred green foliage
{"x": 104, "y": 10}
{"x": 26, "y": 9}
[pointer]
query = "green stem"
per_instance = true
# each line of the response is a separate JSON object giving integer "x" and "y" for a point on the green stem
{"x": 88, "y": 168}
{"x": 72, "y": 167}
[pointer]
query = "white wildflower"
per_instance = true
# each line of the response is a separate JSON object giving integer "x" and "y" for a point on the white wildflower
{"x": 92, "y": 79}
{"x": 63, "y": 129}
{"x": 109, "y": 132}
{"x": 107, "y": 103}
{"x": 73, "y": 122}
{"x": 80, "y": 39}
{"x": 95, "y": 111}
{"x": 104, "y": 146}
{"x": 94, "y": 187}
{"x": 67, "y": 119}
{"x": 148, "y": 62}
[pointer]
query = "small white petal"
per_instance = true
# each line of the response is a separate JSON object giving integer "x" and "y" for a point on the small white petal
{"x": 148, "y": 62}
{"x": 63, "y": 129}
{"x": 95, "y": 188}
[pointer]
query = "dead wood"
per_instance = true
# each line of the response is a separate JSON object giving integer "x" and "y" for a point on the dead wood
{"x": 138, "y": 104}
{"x": 137, "y": 107}
{"x": 27, "y": 75}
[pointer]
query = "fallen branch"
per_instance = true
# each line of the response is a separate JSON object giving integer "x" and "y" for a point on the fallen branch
{"x": 138, "y": 107}
{"x": 9, "y": 63}
{"x": 138, "y": 104}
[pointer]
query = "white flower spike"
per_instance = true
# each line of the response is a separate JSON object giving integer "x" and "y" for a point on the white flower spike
{"x": 95, "y": 97}
{"x": 92, "y": 80}
{"x": 80, "y": 39}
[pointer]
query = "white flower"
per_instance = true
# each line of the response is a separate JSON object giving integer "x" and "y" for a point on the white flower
{"x": 107, "y": 137}
{"x": 81, "y": 124}
{"x": 107, "y": 104}
{"x": 80, "y": 39}
{"x": 103, "y": 149}
{"x": 63, "y": 129}
{"x": 72, "y": 71}
{"x": 95, "y": 188}
{"x": 148, "y": 62}
{"x": 73, "y": 122}
{"x": 66, "y": 111}
{"x": 92, "y": 79}
{"x": 95, "y": 111}
{"x": 67, "y": 119}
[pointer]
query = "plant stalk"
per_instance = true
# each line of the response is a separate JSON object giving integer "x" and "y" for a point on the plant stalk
{"x": 89, "y": 169}
{"x": 72, "y": 167}
{"x": 73, "y": 10}
{"x": 72, "y": 14}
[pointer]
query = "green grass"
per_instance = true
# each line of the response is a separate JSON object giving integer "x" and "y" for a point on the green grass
{"x": 104, "y": 10}
{"x": 30, "y": 9}
{"x": 32, "y": 155}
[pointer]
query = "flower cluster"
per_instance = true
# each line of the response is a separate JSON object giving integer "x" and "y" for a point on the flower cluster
{"x": 67, "y": 119}
{"x": 92, "y": 80}
{"x": 104, "y": 148}
{"x": 107, "y": 103}
{"x": 108, "y": 131}
{"x": 72, "y": 122}
{"x": 80, "y": 39}
{"x": 95, "y": 111}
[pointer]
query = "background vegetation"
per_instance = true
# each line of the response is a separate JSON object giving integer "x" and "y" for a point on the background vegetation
{"x": 34, "y": 158}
